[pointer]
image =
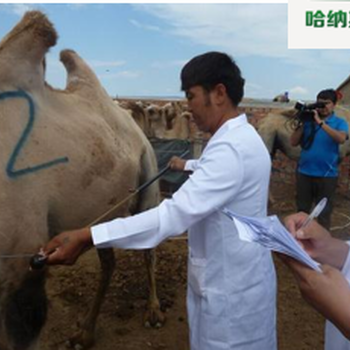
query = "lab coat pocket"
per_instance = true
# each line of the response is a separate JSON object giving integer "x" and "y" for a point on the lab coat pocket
{"x": 196, "y": 275}
{"x": 215, "y": 321}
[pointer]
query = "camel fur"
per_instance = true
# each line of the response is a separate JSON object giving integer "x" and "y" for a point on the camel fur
{"x": 91, "y": 152}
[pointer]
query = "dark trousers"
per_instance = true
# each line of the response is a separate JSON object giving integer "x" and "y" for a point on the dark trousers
{"x": 310, "y": 190}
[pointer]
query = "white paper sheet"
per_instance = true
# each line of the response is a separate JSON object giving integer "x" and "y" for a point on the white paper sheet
{"x": 270, "y": 233}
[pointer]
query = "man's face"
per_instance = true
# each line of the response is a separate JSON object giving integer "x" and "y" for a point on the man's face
{"x": 201, "y": 107}
{"x": 327, "y": 110}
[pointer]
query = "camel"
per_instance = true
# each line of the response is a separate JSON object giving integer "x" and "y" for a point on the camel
{"x": 67, "y": 156}
{"x": 180, "y": 128}
{"x": 156, "y": 120}
{"x": 276, "y": 129}
{"x": 170, "y": 111}
{"x": 168, "y": 121}
{"x": 138, "y": 113}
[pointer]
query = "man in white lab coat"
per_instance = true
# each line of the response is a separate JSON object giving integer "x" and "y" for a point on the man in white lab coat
{"x": 231, "y": 295}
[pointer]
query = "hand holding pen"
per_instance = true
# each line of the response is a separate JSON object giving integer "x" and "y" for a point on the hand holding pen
{"x": 298, "y": 222}
{"x": 328, "y": 291}
{"x": 315, "y": 213}
{"x": 312, "y": 237}
{"x": 315, "y": 239}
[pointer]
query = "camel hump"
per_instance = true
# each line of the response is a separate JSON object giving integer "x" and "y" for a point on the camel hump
{"x": 80, "y": 77}
{"x": 22, "y": 52}
{"x": 289, "y": 113}
{"x": 284, "y": 112}
{"x": 34, "y": 30}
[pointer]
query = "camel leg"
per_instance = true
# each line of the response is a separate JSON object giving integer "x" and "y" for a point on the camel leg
{"x": 271, "y": 200}
{"x": 153, "y": 316}
{"x": 84, "y": 338}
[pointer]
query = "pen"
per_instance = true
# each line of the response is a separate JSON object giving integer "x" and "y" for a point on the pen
{"x": 315, "y": 213}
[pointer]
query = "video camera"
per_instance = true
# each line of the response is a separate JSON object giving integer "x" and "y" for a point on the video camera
{"x": 305, "y": 111}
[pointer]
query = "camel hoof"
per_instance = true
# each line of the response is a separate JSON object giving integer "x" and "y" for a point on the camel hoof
{"x": 81, "y": 340}
{"x": 154, "y": 319}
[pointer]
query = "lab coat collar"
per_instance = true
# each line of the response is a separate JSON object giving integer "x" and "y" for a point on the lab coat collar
{"x": 230, "y": 124}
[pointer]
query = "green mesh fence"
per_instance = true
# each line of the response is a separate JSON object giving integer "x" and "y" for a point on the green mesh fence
{"x": 164, "y": 150}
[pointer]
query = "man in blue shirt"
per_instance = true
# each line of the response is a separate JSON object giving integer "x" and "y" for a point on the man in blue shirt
{"x": 319, "y": 138}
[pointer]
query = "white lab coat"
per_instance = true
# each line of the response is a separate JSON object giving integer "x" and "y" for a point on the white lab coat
{"x": 231, "y": 298}
{"x": 334, "y": 340}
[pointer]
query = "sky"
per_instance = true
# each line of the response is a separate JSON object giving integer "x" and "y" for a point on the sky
{"x": 138, "y": 49}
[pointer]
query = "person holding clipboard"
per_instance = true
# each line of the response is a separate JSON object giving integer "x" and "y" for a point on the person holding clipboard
{"x": 328, "y": 292}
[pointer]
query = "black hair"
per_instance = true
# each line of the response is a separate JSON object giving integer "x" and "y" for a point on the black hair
{"x": 329, "y": 94}
{"x": 212, "y": 68}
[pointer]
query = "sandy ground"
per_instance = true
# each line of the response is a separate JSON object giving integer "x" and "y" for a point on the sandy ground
{"x": 120, "y": 325}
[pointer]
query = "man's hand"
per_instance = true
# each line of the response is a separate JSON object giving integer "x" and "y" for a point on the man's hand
{"x": 317, "y": 241}
{"x": 65, "y": 248}
{"x": 176, "y": 163}
{"x": 337, "y": 135}
{"x": 327, "y": 292}
{"x": 313, "y": 239}
{"x": 317, "y": 118}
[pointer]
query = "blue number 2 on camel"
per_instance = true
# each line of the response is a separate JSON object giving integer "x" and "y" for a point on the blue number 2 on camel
{"x": 11, "y": 172}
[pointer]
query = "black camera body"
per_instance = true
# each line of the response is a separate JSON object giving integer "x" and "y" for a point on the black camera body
{"x": 305, "y": 111}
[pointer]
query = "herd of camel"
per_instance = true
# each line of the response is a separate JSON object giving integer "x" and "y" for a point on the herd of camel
{"x": 172, "y": 120}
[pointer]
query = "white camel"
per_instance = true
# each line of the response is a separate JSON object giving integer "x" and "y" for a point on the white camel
{"x": 67, "y": 156}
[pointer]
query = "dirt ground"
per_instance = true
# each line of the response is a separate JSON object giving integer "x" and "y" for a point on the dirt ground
{"x": 120, "y": 327}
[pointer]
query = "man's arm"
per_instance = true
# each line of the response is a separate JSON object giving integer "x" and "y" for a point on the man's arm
{"x": 338, "y": 136}
{"x": 68, "y": 246}
{"x": 179, "y": 164}
{"x": 317, "y": 241}
{"x": 212, "y": 179}
{"x": 327, "y": 292}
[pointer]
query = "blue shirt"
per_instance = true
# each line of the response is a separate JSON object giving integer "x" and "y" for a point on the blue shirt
{"x": 322, "y": 158}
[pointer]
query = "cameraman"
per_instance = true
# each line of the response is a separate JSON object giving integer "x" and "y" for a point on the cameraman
{"x": 319, "y": 138}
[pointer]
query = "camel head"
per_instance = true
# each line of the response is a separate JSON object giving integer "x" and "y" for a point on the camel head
{"x": 170, "y": 111}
